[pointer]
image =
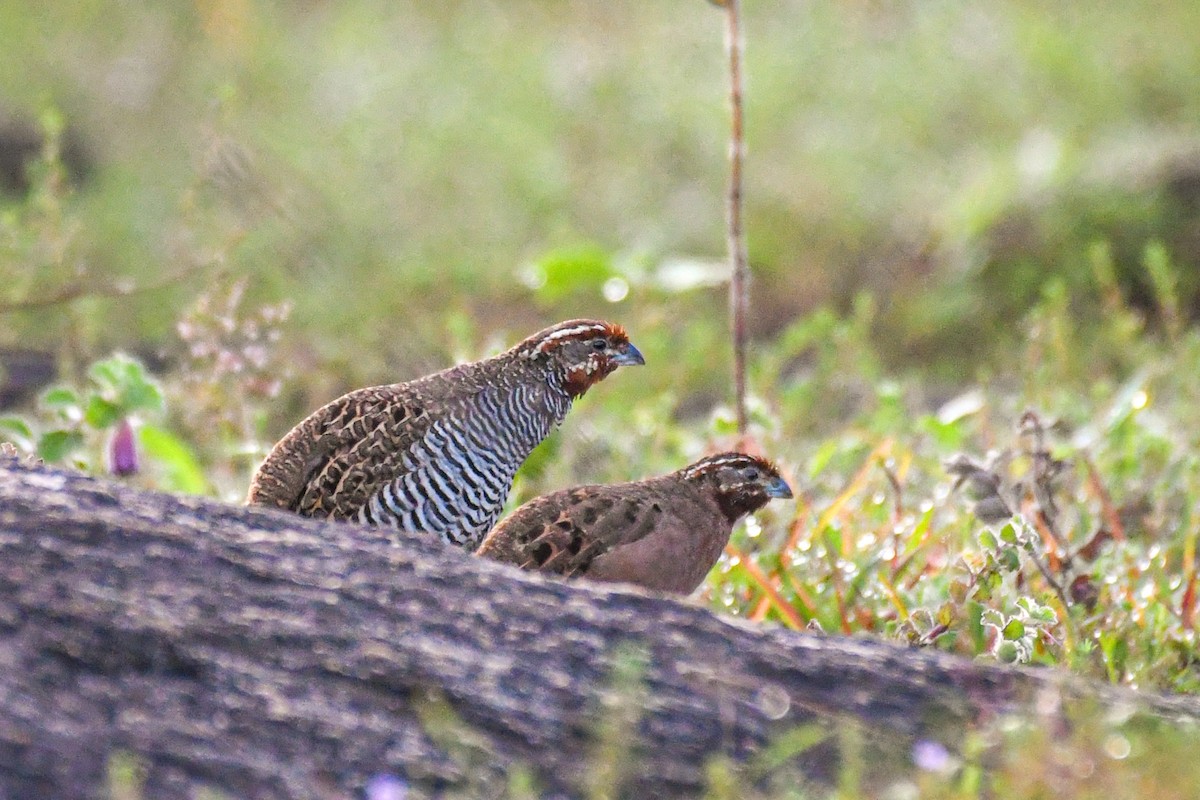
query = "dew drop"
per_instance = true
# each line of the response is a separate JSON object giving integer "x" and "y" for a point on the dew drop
{"x": 615, "y": 289}
{"x": 1117, "y": 747}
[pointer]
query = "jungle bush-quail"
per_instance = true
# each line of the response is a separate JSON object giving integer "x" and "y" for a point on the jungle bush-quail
{"x": 662, "y": 533}
{"x": 438, "y": 454}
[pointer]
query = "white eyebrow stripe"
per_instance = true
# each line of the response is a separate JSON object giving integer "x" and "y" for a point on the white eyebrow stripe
{"x": 567, "y": 332}
{"x": 572, "y": 331}
{"x": 718, "y": 462}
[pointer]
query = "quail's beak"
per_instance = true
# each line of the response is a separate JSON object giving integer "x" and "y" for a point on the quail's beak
{"x": 777, "y": 487}
{"x": 628, "y": 356}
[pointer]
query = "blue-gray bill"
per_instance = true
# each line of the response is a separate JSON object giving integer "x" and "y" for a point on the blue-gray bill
{"x": 778, "y": 488}
{"x": 629, "y": 356}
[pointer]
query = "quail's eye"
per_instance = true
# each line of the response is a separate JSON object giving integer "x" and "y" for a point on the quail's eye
{"x": 751, "y": 474}
{"x": 599, "y": 344}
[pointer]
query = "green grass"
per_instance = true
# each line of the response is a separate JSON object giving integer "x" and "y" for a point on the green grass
{"x": 1088, "y": 755}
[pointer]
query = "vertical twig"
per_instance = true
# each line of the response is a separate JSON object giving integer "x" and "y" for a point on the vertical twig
{"x": 738, "y": 285}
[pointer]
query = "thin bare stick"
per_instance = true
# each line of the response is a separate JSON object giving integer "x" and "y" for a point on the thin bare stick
{"x": 70, "y": 292}
{"x": 739, "y": 282}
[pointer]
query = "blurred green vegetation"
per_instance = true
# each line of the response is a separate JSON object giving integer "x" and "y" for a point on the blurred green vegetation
{"x": 958, "y": 213}
{"x": 350, "y": 156}
{"x": 1085, "y": 754}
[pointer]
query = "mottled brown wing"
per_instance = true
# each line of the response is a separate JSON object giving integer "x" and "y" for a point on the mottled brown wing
{"x": 566, "y": 531}
{"x": 329, "y": 464}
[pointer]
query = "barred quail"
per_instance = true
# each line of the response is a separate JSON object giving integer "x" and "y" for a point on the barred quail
{"x": 662, "y": 533}
{"x": 438, "y": 454}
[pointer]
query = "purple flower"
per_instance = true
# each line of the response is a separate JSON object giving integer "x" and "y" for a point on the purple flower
{"x": 931, "y": 756}
{"x": 386, "y": 787}
{"x": 122, "y": 452}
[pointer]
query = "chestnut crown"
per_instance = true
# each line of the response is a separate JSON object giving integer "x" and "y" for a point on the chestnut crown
{"x": 581, "y": 351}
{"x": 740, "y": 483}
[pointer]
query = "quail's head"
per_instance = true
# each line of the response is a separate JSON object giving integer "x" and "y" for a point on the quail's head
{"x": 582, "y": 352}
{"x": 740, "y": 483}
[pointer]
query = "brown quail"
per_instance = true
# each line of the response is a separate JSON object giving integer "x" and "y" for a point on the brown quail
{"x": 438, "y": 454}
{"x": 662, "y": 533}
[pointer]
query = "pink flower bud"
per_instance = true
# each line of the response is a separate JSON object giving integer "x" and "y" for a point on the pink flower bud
{"x": 122, "y": 451}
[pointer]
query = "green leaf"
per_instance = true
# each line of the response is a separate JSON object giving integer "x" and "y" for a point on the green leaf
{"x": 60, "y": 397}
{"x": 570, "y": 270}
{"x": 786, "y": 746}
{"x": 125, "y": 379}
{"x": 1116, "y": 651}
{"x": 54, "y": 446}
{"x": 17, "y": 431}
{"x": 724, "y": 422}
{"x": 101, "y": 413}
{"x": 919, "y": 531}
{"x": 989, "y": 582}
{"x": 974, "y": 613}
{"x": 142, "y": 394}
{"x": 987, "y": 540}
{"x": 1015, "y": 629}
{"x": 947, "y": 435}
{"x": 183, "y": 472}
{"x": 107, "y": 373}
{"x": 833, "y": 538}
{"x": 1046, "y": 614}
{"x": 1007, "y": 652}
{"x": 821, "y": 457}
{"x": 992, "y": 617}
{"x": 1010, "y": 559}
{"x": 958, "y": 591}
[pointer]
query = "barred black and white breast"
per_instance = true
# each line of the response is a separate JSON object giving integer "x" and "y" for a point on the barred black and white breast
{"x": 438, "y": 454}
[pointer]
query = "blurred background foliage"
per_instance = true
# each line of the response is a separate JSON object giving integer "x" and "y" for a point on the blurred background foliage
{"x": 957, "y": 211}
{"x": 506, "y": 162}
